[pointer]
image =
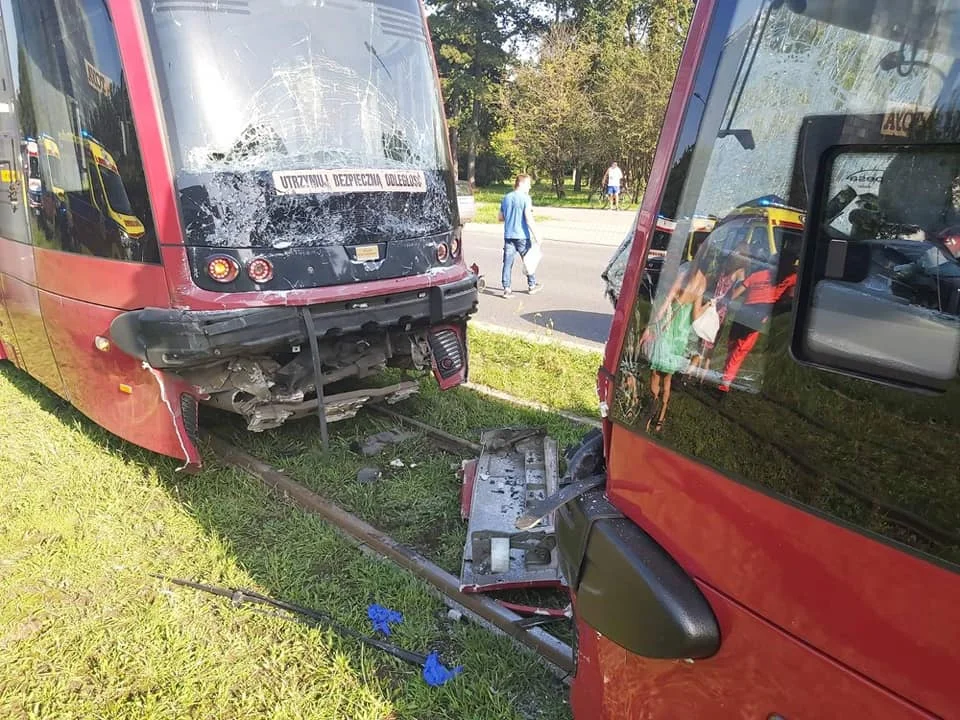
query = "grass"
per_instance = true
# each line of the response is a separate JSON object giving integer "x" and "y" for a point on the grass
{"x": 85, "y": 632}
{"x": 543, "y": 195}
{"x": 487, "y": 213}
{"x": 419, "y": 503}
{"x": 549, "y": 373}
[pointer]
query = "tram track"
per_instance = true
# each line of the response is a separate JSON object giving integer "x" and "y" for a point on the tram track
{"x": 553, "y": 652}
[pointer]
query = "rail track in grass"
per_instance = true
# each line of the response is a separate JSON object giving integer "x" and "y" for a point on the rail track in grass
{"x": 555, "y": 653}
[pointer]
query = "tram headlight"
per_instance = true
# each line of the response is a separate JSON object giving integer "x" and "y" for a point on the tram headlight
{"x": 223, "y": 268}
{"x": 455, "y": 247}
{"x": 260, "y": 270}
{"x": 443, "y": 252}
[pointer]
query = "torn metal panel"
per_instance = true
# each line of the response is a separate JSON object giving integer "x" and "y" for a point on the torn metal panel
{"x": 262, "y": 416}
{"x": 517, "y": 468}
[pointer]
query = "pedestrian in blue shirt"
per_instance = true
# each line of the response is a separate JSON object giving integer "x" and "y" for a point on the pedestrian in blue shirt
{"x": 519, "y": 232}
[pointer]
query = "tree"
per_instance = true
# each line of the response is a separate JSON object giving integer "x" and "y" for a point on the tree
{"x": 551, "y": 110}
{"x": 639, "y": 43}
{"x": 472, "y": 41}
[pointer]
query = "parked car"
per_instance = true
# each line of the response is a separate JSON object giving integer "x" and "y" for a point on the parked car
{"x": 468, "y": 206}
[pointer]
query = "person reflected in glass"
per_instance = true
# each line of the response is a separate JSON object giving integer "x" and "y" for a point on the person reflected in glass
{"x": 732, "y": 273}
{"x": 667, "y": 338}
{"x": 761, "y": 291}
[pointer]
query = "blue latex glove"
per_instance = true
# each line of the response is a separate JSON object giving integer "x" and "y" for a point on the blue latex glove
{"x": 382, "y": 618}
{"x": 436, "y": 674}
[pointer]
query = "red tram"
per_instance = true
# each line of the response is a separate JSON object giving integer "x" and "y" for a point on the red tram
{"x": 237, "y": 202}
{"x": 779, "y": 532}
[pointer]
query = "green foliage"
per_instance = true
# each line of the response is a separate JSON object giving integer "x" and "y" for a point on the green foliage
{"x": 550, "y": 106}
{"x": 595, "y": 90}
{"x": 472, "y": 41}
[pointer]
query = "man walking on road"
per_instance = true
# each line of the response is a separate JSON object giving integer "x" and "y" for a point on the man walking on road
{"x": 612, "y": 179}
{"x": 519, "y": 232}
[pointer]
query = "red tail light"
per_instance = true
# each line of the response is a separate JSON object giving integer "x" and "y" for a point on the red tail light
{"x": 260, "y": 270}
{"x": 443, "y": 252}
{"x": 223, "y": 268}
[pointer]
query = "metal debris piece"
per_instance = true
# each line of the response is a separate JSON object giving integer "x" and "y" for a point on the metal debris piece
{"x": 517, "y": 469}
{"x": 546, "y": 507}
{"x": 375, "y": 444}
{"x": 368, "y": 475}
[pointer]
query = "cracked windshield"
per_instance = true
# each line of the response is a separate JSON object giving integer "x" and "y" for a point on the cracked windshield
{"x": 277, "y": 84}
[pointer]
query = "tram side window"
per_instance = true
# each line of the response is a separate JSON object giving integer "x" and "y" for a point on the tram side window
{"x": 731, "y": 359}
{"x": 73, "y": 101}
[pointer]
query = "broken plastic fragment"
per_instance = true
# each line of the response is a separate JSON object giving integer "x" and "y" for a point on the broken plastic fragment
{"x": 368, "y": 475}
{"x": 374, "y": 444}
{"x": 397, "y": 463}
{"x": 436, "y": 674}
{"x": 382, "y": 618}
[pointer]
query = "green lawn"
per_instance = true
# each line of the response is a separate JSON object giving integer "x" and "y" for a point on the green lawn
{"x": 488, "y": 213}
{"x": 554, "y": 375}
{"x": 543, "y": 195}
{"x": 85, "y": 632}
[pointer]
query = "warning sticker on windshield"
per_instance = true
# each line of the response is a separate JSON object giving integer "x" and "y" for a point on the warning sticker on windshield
{"x": 314, "y": 182}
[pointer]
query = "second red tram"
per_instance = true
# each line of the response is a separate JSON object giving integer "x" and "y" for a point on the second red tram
{"x": 779, "y": 533}
{"x": 233, "y": 202}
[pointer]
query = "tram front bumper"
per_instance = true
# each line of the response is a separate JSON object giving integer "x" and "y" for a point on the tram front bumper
{"x": 174, "y": 339}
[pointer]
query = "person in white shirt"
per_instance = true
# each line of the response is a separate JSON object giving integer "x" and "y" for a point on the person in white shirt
{"x": 612, "y": 179}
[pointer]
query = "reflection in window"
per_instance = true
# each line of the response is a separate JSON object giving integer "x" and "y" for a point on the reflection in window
{"x": 886, "y": 301}
{"x": 91, "y": 194}
{"x": 706, "y": 365}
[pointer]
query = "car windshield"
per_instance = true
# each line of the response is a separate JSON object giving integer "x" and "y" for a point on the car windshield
{"x": 116, "y": 192}
{"x": 258, "y": 85}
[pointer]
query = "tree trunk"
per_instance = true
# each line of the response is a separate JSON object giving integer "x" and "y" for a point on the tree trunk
{"x": 455, "y": 151}
{"x": 577, "y": 179}
{"x": 455, "y": 139}
{"x": 472, "y": 144}
{"x": 558, "y": 183}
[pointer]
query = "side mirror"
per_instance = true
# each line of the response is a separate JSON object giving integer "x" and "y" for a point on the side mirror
{"x": 879, "y": 294}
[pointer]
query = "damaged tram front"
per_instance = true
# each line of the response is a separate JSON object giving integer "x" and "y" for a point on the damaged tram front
{"x": 250, "y": 202}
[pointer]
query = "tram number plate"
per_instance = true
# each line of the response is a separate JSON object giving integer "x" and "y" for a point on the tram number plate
{"x": 366, "y": 253}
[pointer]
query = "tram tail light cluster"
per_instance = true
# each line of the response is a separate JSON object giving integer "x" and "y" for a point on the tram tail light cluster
{"x": 225, "y": 269}
{"x": 260, "y": 270}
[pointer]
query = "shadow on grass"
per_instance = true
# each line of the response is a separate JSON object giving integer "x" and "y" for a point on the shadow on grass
{"x": 296, "y": 556}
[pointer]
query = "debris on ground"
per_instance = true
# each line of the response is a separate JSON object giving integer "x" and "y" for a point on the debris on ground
{"x": 299, "y": 613}
{"x": 433, "y": 672}
{"x": 382, "y": 618}
{"x": 517, "y": 468}
{"x": 436, "y": 674}
{"x": 397, "y": 463}
{"x": 375, "y": 444}
{"x": 368, "y": 475}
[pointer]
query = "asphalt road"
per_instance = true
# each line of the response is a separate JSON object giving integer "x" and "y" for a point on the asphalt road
{"x": 577, "y": 245}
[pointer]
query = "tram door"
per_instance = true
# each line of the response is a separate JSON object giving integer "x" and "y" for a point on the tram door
{"x": 20, "y": 294}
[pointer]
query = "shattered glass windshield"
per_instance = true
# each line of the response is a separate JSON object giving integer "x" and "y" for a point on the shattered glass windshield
{"x": 267, "y": 85}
